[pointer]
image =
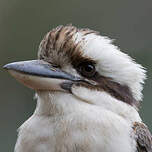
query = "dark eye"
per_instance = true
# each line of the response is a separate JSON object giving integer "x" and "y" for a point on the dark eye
{"x": 87, "y": 69}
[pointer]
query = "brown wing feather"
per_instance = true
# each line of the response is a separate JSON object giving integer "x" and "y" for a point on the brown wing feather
{"x": 143, "y": 137}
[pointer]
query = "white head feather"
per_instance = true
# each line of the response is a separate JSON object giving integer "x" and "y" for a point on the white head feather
{"x": 113, "y": 63}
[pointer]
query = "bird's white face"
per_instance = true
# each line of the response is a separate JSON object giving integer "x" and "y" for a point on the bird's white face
{"x": 70, "y": 58}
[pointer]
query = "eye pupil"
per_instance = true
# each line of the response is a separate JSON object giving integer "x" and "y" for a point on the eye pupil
{"x": 89, "y": 68}
{"x": 86, "y": 69}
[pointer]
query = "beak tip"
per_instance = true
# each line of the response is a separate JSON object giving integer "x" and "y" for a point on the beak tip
{"x": 10, "y": 66}
{"x": 6, "y": 67}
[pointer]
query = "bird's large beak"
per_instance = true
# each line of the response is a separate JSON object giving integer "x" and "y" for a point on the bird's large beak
{"x": 39, "y": 75}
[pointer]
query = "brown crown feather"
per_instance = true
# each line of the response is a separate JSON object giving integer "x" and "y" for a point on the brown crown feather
{"x": 59, "y": 47}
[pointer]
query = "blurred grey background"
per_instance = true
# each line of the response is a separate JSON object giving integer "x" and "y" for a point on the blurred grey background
{"x": 23, "y": 24}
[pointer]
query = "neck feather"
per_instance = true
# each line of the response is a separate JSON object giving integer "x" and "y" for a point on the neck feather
{"x": 55, "y": 103}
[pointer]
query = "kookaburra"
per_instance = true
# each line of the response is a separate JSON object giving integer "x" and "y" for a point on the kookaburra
{"x": 88, "y": 93}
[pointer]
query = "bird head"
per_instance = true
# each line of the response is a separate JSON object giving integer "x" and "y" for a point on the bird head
{"x": 73, "y": 60}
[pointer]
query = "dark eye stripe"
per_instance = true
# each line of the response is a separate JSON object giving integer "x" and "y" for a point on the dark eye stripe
{"x": 121, "y": 92}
